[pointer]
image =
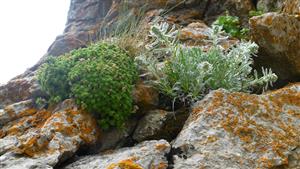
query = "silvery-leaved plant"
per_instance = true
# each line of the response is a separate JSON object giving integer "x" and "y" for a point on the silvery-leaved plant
{"x": 162, "y": 35}
{"x": 189, "y": 73}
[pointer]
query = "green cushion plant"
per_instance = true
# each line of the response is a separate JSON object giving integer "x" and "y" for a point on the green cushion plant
{"x": 100, "y": 78}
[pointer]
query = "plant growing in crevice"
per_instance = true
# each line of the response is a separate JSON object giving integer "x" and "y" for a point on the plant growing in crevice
{"x": 189, "y": 73}
{"x": 126, "y": 31}
{"x": 255, "y": 13}
{"x": 232, "y": 26}
{"x": 100, "y": 78}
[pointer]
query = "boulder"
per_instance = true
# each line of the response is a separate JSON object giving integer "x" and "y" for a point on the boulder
{"x": 146, "y": 155}
{"x": 277, "y": 35}
{"x": 43, "y": 138}
{"x": 239, "y": 130}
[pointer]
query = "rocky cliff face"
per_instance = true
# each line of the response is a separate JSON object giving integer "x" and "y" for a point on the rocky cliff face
{"x": 224, "y": 130}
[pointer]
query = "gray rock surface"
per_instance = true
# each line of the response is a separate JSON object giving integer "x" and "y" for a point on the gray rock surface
{"x": 146, "y": 155}
{"x": 238, "y": 130}
{"x": 277, "y": 35}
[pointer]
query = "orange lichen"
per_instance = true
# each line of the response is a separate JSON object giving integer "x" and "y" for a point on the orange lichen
{"x": 161, "y": 147}
{"x": 125, "y": 164}
{"x": 242, "y": 120}
{"x": 11, "y": 113}
{"x": 27, "y": 112}
{"x": 162, "y": 165}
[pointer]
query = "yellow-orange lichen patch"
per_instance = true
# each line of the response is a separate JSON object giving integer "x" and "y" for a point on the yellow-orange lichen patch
{"x": 11, "y": 113}
{"x": 125, "y": 164}
{"x": 28, "y": 112}
{"x": 161, "y": 147}
{"x": 33, "y": 146}
{"x": 264, "y": 123}
{"x": 161, "y": 165}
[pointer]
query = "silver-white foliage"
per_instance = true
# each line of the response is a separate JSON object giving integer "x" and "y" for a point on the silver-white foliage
{"x": 190, "y": 73}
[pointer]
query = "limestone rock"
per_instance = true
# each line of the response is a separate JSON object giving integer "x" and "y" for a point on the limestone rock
{"x": 160, "y": 124}
{"x": 146, "y": 155}
{"x": 44, "y": 138}
{"x": 238, "y": 130}
{"x": 278, "y": 38}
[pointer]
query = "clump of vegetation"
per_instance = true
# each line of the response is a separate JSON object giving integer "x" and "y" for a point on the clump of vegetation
{"x": 189, "y": 73}
{"x": 232, "y": 26}
{"x": 255, "y": 13}
{"x": 126, "y": 31}
{"x": 100, "y": 78}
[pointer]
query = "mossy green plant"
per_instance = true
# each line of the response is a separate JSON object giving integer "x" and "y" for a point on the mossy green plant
{"x": 100, "y": 78}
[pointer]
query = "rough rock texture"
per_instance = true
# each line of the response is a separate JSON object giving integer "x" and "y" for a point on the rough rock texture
{"x": 18, "y": 89}
{"x": 199, "y": 34}
{"x": 43, "y": 138}
{"x": 278, "y": 36}
{"x": 145, "y": 96}
{"x": 270, "y": 5}
{"x": 238, "y": 130}
{"x": 84, "y": 20}
{"x": 292, "y": 7}
{"x": 146, "y": 155}
{"x": 160, "y": 124}
{"x": 117, "y": 138}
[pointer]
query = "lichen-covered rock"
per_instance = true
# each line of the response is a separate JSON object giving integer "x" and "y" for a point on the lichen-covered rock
{"x": 15, "y": 111}
{"x": 278, "y": 38}
{"x": 44, "y": 138}
{"x": 199, "y": 34}
{"x": 146, "y": 155}
{"x": 160, "y": 124}
{"x": 238, "y": 130}
{"x": 196, "y": 33}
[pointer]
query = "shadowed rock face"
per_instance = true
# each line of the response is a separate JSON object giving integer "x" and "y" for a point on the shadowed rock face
{"x": 238, "y": 130}
{"x": 277, "y": 35}
{"x": 270, "y": 5}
